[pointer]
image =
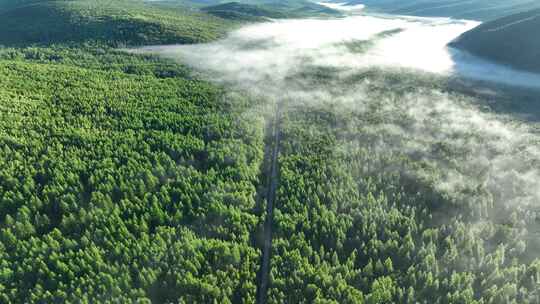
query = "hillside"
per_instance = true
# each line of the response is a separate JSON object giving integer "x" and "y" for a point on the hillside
{"x": 511, "y": 40}
{"x": 241, "y": 11}
{"x": 114, "y": 23}
{"x": 252, "y": 9}
{"x": 482, "y": 10}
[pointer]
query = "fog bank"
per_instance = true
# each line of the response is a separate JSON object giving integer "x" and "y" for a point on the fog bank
{"x": 353, "y": 42}
{"x": 343, "y": 6}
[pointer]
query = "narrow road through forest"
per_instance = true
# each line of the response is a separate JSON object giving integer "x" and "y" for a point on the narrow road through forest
{"x": 271, "y": 188}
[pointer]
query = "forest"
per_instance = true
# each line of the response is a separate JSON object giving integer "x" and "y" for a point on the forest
{"x": 127, "y": 177}
{"x": 355, "y": 225}
{"x": 113, "y": 23}
{"x": 124, "y": 178}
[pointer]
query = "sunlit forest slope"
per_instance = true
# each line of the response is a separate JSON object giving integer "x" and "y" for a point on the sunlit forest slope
{"x": 123, "y": 178}
{"x": 123, "y": 22}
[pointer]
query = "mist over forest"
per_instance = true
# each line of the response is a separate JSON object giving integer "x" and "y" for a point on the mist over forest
{"x": 386, "y": 83}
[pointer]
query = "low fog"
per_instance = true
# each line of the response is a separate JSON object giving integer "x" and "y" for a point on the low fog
{"x": 387, "y": 41}
{"x": 395, "y": 67}
{"x": 343, "y": 6}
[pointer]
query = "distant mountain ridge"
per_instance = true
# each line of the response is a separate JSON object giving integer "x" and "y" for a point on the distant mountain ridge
{"x": 241, "y": 11}
{"x": 482, "y": 10}
{"x": 259, "y": 10}
{"x": 251, "y": 9}
{"x": 512, "y": 40}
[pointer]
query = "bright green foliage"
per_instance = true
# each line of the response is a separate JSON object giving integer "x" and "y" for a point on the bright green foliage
{"x": 123, "y": 179}
{"x": 354, "y": 225}
{"x": 116, "y": 23}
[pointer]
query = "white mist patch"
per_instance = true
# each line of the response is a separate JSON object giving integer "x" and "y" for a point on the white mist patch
{"x": 422, "y": 45}
{"x": 413, "y": 43}
{"x": 343, "y": 6}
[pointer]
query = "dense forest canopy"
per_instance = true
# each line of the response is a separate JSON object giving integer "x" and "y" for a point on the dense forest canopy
{"x": 126, "y": 177}
{"x": 123, "y": 177}
{"x": 119, "y": 181}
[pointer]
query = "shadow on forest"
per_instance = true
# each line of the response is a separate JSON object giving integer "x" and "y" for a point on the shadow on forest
{"x": 502, "y": 89}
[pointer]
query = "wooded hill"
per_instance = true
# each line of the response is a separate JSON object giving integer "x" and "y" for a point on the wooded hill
{"x": 511, "y": 40}
{"x": 483, "y": 10}
{"x": 114, "y": 23}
